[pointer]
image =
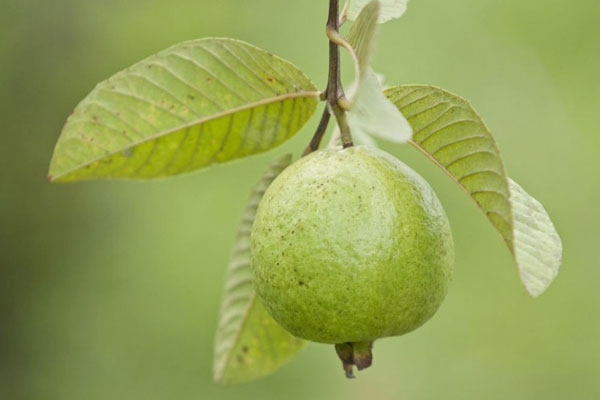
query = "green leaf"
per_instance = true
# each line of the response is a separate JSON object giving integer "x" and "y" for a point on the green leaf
{"x": 390, "y": 9}
{"x": 362, "y": 38}
{"x": 371, "y": 113}
{"x": 537, "y": 246}
{"x": 450, "y": 132}
{"x": 249, "y": 343}
{"x": 195, "y": 104}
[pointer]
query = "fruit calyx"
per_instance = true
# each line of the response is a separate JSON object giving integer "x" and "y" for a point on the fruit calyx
{"x": 353, "y": 354}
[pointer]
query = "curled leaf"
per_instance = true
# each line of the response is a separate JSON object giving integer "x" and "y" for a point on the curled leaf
{"x": 451, "y": 134}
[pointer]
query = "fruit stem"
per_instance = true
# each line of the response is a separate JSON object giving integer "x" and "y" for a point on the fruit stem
{"x": 318, "y": 136}
{"x": 342, "y": 120}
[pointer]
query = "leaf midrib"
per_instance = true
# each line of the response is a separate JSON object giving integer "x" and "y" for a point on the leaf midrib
{"x": 238, "y": 334}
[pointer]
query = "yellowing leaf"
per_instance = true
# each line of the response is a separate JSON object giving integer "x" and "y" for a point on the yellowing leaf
{"x": 195, "y": 104}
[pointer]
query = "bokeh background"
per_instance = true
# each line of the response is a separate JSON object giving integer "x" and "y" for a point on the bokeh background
{"x": 110, "y": 290}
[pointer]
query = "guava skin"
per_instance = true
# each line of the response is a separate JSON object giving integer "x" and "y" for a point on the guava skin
{"x": 350, "y": 246}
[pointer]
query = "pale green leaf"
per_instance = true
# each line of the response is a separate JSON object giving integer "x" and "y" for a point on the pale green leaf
{"x": 537, "y": 246}
{"x": 249, "y": 343}
{"x": 373, "y": 114}
{"x": 362, "y": 36}
{"x": 390, "y": 9}
{"x": 450, "y": 132}
{"x": 361, "y": 138}
{"x": 195, "y": 104}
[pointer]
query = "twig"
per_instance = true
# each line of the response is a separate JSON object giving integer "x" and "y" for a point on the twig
{"x": 334, "y": 94}
{"x": 318, "y": 136}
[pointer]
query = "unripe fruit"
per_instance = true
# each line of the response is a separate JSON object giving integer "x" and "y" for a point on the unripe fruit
{"x": 349, "y": 246}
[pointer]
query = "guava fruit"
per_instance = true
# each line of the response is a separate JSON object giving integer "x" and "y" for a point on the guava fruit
{"x": 348, "y": 246}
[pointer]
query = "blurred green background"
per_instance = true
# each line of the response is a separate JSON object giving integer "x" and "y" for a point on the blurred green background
{"x": 110, "y": 290}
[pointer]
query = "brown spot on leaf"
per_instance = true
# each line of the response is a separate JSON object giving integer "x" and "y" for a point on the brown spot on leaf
{"x": 245, "y": 349}
{"x": 270, "y": 78}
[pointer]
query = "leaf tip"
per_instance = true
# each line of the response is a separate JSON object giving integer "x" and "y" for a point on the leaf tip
{"x": 537, "y": 285}
{"x": 217, "y": 377}
{"x": 538, "y": 264}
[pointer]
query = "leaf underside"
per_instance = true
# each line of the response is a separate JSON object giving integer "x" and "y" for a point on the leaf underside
{"x": 449, "y": 132}
{"x": 249, "y": 343}
{"x": 195, "y": 104}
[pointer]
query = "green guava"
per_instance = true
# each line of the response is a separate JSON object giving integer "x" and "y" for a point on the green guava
{"x": 349, "y": 246}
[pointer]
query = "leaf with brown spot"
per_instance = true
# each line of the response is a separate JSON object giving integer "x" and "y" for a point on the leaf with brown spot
{"x": 195, "y": 104}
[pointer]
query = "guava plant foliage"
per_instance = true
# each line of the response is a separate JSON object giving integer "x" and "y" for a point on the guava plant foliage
{"x": 214, "y": 100}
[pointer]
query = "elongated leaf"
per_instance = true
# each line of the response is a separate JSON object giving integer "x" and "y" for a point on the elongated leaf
{"x": 249, "y": 343}
{"x": 449, "y": 132}
{"x": 195, "y": 104}
{"x": 390, "y": 9}
{"x": 362, "y": 38}
{"x": 371, "y": 113}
